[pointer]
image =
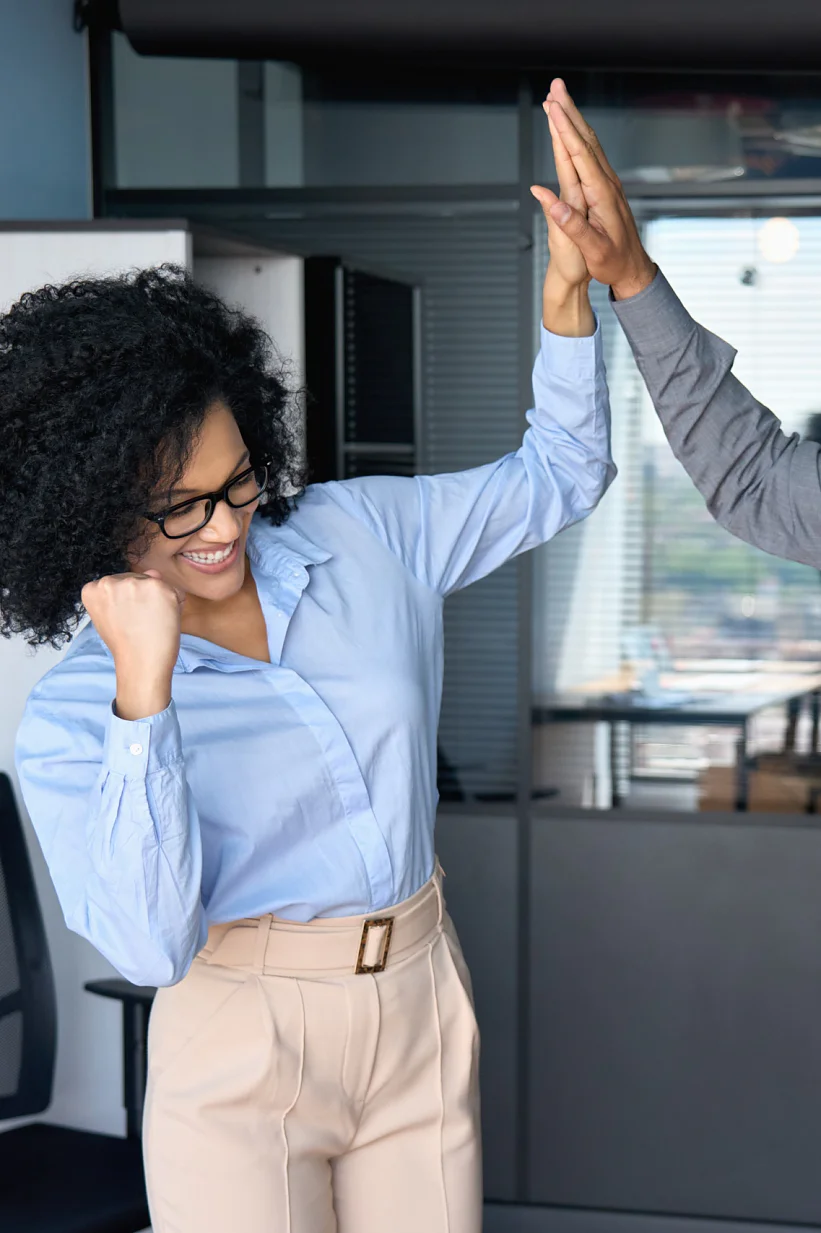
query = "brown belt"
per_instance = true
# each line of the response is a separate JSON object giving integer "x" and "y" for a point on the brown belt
{"x": 345, "y": 945}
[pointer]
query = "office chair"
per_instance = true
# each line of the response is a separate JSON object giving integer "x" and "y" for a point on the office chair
{"x": 52, "y": 1179}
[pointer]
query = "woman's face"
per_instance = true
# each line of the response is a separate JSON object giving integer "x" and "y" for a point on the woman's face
{"x": 210, "y": 563}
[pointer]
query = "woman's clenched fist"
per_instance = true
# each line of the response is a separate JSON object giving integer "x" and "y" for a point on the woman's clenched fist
{"x": 138, "y": 617}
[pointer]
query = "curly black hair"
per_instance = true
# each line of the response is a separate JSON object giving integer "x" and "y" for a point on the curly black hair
{"x": 104, "y": 384}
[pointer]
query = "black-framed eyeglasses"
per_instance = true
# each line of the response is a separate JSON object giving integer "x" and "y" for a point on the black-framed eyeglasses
{"x": 184, "y": 519}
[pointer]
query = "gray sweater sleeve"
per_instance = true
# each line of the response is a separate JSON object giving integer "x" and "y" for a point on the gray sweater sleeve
{"x": 759, "y": 483}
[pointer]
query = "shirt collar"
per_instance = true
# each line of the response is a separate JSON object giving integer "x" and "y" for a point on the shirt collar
{"x": 274, "y": 550}
{"x": 276, "y": 554}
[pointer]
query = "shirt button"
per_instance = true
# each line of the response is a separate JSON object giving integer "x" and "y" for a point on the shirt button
{"x": 136, "y": 749}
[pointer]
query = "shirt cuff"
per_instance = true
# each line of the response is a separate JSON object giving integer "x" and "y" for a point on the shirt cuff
{"x": 655, "y": 320}
{"x": 135, "y": 748}
{"x": 570, "y": 359}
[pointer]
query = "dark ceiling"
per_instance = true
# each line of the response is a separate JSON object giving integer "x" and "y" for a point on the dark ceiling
{"x": 725, "y": 35}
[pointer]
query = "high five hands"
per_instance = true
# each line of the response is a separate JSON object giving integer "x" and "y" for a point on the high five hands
{"x": 591, "y": 209}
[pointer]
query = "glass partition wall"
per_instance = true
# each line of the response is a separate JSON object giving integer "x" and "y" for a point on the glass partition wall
{"x": 428, "y": 179}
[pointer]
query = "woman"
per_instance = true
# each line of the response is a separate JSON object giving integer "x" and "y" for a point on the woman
{"x": 232, "y": 771}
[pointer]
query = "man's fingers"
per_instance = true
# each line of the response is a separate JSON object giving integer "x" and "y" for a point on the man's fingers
{"x": 570, "y": 188}
{"x": 560, "y": 94}
{"x": 595, "y": 181}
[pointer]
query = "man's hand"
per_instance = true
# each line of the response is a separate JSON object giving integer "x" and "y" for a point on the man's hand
{"x": 603, "y": 228}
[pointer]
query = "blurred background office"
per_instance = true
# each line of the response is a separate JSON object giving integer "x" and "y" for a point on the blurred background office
{"x": 630, "y": 725}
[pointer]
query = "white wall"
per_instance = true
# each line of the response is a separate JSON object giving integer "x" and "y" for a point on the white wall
{"x": 29, "y": 259}
{"x": 88, "y": 1078}
{"x": 271, "y": 288}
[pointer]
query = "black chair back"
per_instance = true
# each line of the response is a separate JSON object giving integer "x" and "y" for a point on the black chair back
{"x": 28, "y": 1006}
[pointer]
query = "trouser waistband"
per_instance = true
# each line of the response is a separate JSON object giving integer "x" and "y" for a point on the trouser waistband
{"x": 331, "y": 945}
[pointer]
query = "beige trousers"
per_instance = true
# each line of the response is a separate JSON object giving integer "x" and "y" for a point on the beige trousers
{"x": 290, "y": 1093}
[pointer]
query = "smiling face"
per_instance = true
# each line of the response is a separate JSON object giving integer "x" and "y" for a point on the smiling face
{"x": 210, "y": 563}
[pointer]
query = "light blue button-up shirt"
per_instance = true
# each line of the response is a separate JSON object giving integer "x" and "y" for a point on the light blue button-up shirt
{"x": 305, "y": 787}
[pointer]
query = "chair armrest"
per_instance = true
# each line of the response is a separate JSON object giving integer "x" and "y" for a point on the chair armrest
{"x": 122, "y": 991}
{"x": 136, "y": 1002}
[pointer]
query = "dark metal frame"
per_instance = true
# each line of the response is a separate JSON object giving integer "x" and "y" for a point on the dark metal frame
{"x": 99, "y": 21}
{"x": 34, "y": 999}
{"x": 136, "y": 1001}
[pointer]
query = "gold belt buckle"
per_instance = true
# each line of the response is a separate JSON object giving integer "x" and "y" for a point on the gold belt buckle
{"x": 374, "y": 922}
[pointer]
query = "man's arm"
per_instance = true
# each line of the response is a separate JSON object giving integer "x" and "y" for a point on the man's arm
{"x": 759, "y": 483}
{"x": 763, "y": 486}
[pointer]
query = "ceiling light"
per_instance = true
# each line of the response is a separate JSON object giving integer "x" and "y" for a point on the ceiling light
{"x": 778, "y": 240}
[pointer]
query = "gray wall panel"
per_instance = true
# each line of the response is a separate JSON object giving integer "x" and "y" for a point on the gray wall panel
{"x": 45, "y": 155}
{"x": 503, "y": 1219}
{"x": 676, "y": 1016}
{"x": 479, "y": 855}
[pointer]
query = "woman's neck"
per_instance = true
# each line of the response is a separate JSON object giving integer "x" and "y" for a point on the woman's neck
{"x": 236, "y": 623}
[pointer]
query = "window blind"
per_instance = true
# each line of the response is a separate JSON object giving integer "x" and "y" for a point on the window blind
{"x": 588, "y": 581}
{"x": 754, "y": 282}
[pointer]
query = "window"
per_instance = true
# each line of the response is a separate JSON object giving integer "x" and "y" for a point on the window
{"x": 651, "y": 555}
{"x": 677, "y": 131}
{"x": 199, "y": 123}
{"x": 753, "y": 281}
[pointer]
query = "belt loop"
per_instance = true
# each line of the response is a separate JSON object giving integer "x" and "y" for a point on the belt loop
{"x": 261, "y": 943}
{"x": 438, "y": 874}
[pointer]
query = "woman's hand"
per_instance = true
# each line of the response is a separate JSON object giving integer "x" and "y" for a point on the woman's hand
{"x": 565, "y": 257}
{"x": 138, "y": 617}
{"x": 565, "y": 303}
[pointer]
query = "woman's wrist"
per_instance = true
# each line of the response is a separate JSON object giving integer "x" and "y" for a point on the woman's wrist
{"x": 139, "y": 697}
{"x": 566, "y": 308}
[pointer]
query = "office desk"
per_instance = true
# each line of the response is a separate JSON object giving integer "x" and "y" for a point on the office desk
{"x": 722, "y": 693}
